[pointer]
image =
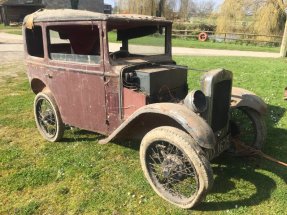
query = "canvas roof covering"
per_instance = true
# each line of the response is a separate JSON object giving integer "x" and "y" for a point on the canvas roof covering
{"x": 46, "y": 15}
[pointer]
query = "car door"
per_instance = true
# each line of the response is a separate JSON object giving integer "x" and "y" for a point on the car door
{"x": 76, "y": 74}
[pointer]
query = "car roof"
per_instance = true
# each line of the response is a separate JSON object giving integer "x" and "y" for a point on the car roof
{"x": 57, "y": 15}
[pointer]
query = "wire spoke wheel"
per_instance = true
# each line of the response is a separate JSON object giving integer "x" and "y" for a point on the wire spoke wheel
{"x": 248, "y": 126}
{"x": 171, "y": 169}
{"x": 48, "y": 119}
{"x": 175, "y": 166}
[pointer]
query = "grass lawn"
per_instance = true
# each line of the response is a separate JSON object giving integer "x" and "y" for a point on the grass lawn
{"x": 12, "y": 30}
{"x": 222, "y": 45}
{"x": 78, "y": 176}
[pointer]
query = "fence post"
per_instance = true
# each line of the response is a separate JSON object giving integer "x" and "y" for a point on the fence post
{"x": 283, "y": 51}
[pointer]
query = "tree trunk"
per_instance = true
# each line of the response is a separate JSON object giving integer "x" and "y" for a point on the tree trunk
{"x": 161, "y": 8}
{"x": 74, "y": 4}
{"x": 283, "y": 51}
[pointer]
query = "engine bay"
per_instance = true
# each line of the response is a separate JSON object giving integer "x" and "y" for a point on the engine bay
{"x": 159, "y": 84}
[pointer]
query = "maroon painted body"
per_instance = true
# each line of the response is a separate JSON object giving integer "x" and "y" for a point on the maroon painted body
{"x": 90, "y": 96}
{"x": 114, "y": 75}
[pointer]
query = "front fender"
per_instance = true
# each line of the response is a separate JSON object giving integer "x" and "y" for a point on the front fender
{"x": 165, "y": 114}
{"x": 244, "y": 98}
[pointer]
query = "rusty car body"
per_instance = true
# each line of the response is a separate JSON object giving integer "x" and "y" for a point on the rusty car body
{"x": 114, "y": 75}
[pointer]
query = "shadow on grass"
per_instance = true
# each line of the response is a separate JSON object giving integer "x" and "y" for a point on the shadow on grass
{"x": 240, "y": 169}
{"x": 78, "y": 135}
{"x": 276, "y": 137}
{"x": 131, "y": 144}
{"x": 228, "y": 167}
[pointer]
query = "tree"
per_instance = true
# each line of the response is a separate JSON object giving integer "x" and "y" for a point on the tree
{"x": 203, "y": 8}
{"x": 161, "y": 8}
{"x": 184, "y": 9}
{"x": 270, "y": 18}
{"x": 168, "y": 8}
{"x": 230, "y": 13}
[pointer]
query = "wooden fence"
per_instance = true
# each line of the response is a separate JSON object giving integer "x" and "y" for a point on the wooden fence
{"x": 274, "y": 40}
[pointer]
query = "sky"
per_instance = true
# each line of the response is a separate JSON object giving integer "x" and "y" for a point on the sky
{"x": 112, "y": 2}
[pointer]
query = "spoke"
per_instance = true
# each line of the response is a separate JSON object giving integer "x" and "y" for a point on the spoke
{"x": 152, "y": 159}
{"x": 157, "y": 156}
{"x": 41, "y": 115}
{"x": 172, "y": 169}
{"x": 190, "y": 173}
{"x": 46, "y": 117}
{"x": 185, "y": 173}
{"x": 175, "y": 189}
{"x": 170, "y": 149}
{"x": 51, "y": 120}
{"x": 160, "y": 154}
{"x": 159, "y": 176}
{"x": 176, "y": 151}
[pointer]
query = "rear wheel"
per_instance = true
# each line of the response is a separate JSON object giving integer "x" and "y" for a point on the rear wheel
{"x": 175, "y": 166}
{"x": 47, "y": 117}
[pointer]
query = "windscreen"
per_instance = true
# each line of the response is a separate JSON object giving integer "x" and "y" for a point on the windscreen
{"x": 136, "y": 40}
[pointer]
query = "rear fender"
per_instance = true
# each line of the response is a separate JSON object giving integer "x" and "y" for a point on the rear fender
{"x": 164, "y": 114}
{"x": 244, "y": 98}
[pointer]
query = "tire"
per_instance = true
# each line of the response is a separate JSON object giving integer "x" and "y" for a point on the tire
{"x": 171, "y": 161}
{"x": 248, "y": 126}
{"x": 48, "y": 121}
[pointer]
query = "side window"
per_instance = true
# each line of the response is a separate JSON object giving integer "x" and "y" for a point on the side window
{"x": 74, "y": 43}
{"x": 34, "y": 41}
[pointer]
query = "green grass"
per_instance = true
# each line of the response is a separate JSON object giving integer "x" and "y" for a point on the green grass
{"x": 192, "y": 43}
{"x": 11, "y": 30}
{"x": 222, "y": 45}
{"x": 147, "y": 40}
{"x": 78, "y": 176}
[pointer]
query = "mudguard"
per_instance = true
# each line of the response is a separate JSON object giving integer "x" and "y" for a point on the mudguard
{"x": 244, "y": 98}
{"x": 166, "y": 114}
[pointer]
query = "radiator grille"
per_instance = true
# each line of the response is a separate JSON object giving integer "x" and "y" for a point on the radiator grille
{"x": 221, "y": 104}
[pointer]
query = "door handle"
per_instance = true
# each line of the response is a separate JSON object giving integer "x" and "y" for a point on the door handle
{"x": 48, "y": 76}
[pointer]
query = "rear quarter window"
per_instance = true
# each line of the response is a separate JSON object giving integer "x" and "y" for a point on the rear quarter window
{"x": 74, "y": 43}
{"x": 34, "y": 41}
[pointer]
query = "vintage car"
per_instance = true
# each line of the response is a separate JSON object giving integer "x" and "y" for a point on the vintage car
{"x": 114, "y": 75}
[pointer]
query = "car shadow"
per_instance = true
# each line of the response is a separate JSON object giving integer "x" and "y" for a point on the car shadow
{"x": 131, "y": 144}
{"x": 78, "y": 135}
{"x": 257, "y": 187}
{"x": 227, "y": 168}
{"x": 250, "y": 170}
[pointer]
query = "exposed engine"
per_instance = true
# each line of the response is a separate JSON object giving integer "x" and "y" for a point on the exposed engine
{"x": 159, "y": 84}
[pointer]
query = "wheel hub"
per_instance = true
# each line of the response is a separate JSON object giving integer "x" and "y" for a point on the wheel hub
{"x": 172, "y": 166}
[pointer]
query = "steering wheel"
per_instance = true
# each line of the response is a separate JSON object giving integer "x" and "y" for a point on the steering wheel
{"x": 119, "y": 54}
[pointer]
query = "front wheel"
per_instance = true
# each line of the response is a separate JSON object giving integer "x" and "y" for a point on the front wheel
{"x": 47, "y": 117}
{"x": 175, "y": 166}
{"x": 248, "y": 126}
